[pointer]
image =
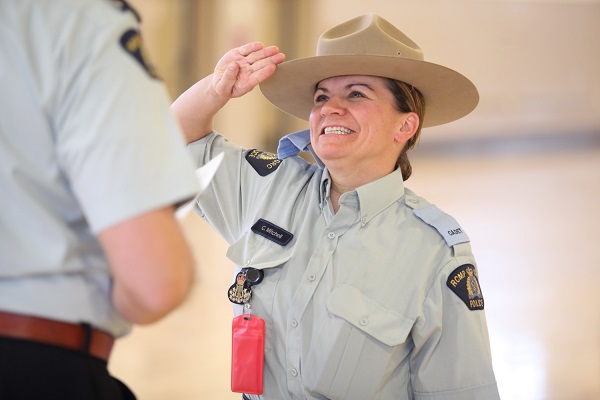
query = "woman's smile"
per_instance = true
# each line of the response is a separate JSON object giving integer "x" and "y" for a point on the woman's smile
{"x": 336, "y": 130}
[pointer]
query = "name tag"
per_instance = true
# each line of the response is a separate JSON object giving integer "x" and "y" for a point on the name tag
{"x": 272, "y": 232}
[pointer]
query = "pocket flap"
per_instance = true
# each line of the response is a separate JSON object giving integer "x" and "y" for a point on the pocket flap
{"x": 257, "y": 252}
{"x": 384, "y": 324}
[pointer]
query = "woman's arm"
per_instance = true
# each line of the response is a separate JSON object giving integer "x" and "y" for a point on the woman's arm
{"x": 236, "y": 73}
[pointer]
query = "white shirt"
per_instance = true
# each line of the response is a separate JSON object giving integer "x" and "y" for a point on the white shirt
{"x": 87, "y": 141}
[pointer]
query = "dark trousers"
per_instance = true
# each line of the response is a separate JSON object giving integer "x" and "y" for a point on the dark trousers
{"x": 30, "y": 370}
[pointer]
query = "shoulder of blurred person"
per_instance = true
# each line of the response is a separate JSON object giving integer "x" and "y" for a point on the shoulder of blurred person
{"x": 89, "y": 148}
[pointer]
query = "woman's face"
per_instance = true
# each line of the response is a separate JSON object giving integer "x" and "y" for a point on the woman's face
{"x": 354, "y": 123}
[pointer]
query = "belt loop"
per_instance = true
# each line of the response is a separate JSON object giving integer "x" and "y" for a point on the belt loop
{"x": 87, "y": 337}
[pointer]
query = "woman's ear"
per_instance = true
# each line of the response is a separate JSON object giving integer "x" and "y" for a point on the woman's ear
{"x": 409, "y": 127}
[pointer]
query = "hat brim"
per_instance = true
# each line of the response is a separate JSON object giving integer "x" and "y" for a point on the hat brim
{"x": 448, "y": 94}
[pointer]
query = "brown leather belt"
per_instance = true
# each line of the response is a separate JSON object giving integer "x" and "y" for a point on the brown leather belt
{"x": 78, "y": 337}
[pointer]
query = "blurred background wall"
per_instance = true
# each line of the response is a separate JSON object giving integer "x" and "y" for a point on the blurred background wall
{"x": 521, "y": 173}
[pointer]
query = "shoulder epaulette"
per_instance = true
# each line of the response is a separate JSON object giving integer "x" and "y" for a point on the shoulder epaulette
{"x": 445, "y": 224}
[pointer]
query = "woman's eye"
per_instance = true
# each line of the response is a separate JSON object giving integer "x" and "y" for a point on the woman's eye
{"x": 356, "y": 94}
{"x": 320, "y": 98}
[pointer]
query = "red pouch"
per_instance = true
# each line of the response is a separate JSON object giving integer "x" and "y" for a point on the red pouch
{"x": 247, "y": 354}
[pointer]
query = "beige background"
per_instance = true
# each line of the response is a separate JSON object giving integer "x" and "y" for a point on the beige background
{"x": 521, "y": 174}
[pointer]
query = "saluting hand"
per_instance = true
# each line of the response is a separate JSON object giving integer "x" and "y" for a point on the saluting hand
{"x": 244, "y": 67}
{"x": 236, "y": 73}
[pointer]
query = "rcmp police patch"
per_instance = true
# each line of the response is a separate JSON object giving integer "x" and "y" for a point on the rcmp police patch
{"x": 131, "y": 41}
{"x": 464, "y": 283}
{"x": 263, "y": 162}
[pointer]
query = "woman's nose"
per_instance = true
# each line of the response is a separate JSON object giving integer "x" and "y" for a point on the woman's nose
{"x": 333, "y": 105}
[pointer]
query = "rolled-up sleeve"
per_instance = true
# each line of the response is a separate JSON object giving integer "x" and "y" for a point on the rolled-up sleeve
{"x": 452, "y": 358}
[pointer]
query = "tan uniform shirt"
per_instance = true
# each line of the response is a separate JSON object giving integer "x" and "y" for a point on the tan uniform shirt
{"x": 358, "y": 304}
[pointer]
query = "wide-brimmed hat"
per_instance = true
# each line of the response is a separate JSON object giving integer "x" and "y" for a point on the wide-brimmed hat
{"x": 370, "y": 45}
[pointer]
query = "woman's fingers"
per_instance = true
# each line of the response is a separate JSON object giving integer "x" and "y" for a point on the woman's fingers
{"x": 244, "y": 67}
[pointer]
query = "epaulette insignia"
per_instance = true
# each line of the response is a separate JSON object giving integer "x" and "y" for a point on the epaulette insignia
{"x": 464, "y": 283}
{"x": 263, "y": 162}
{"x": 447, "y": 226}
{"x": 131, "y": 41}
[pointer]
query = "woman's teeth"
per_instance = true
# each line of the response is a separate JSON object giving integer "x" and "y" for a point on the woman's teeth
{"x": 336, "y": 130}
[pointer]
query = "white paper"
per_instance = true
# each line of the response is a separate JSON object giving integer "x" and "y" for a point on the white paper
{"x": 204, "y": 174}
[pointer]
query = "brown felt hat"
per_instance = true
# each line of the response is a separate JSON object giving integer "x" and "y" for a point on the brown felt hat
{"x": 370, "y": 45}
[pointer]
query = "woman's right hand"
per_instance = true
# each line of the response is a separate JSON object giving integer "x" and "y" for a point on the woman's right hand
{"x": 244, "y": 67}
{"x": 236, "y": 74}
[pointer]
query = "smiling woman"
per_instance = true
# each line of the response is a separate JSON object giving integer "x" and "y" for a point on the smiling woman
{"x": 530, "y": 148}
{"x": 377, "y": 106}
{"x": 363, "y": 300}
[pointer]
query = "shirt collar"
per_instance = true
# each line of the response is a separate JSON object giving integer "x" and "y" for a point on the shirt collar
{"x": 376, "y": 196}
{"x": 373, "y": 197}
{"x": 324, "y": 188}
{"x": 292, "y": 144}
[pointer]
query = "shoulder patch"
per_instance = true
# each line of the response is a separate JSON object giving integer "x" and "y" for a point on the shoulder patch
{"x": 445, "y": 224}
{"x": 263, "y": 162}
{"x": 131, "y": 41}
{"x": 124, "y": 6}
{"x": 464, "y": 283}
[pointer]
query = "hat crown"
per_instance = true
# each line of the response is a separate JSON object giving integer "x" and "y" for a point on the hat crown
{"x": 368, "y": 34}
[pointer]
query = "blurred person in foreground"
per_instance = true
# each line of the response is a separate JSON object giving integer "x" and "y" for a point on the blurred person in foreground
{"x": 367, "y": 290}
{"x": 91, "y": 165}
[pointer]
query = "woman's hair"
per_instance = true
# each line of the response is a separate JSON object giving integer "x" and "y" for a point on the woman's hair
{"x": 408, "y": 99}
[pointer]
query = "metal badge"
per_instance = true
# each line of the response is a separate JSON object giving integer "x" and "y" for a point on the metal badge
{"x": 241, "y": 291}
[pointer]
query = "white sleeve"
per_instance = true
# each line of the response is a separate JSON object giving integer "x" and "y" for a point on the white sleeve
{"x": 117, "y": 140}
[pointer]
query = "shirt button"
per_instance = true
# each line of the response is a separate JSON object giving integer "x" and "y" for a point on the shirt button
{"x": 294, "y": 323}
{"x": 293, "y": 372}
{"x": 364, "y": 321}
{"x": 364, "y": 220}
{"x": 331, "y": 235}
{"x": 312, "y": 277}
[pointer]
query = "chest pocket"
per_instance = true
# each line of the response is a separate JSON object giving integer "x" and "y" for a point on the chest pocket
{"x": 384, "y": 324}
{"x": 257, "y": 252}
{"x": 359, "y": 349}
